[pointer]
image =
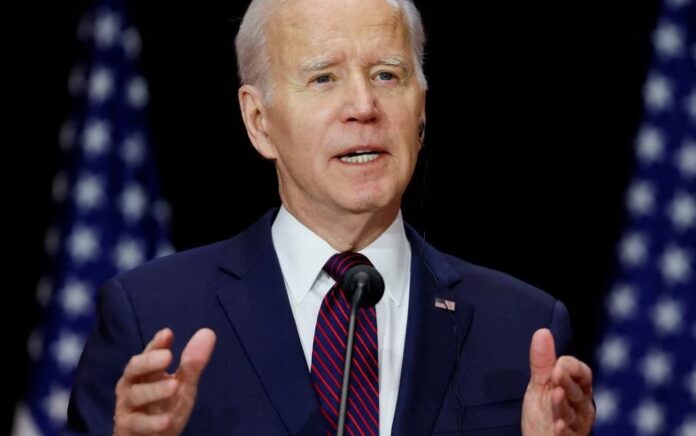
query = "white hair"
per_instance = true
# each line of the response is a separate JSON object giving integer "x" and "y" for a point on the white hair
{"x": 253, "y": 59}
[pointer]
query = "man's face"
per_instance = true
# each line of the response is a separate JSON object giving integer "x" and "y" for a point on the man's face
{"x": 343, "y": 119}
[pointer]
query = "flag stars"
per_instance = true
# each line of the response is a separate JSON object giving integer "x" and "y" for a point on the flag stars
{"x": 56, "y": 405}
{"x": 137, "y": 93}
{"x": 89, "y": 192}
{"x": 76, "y": 298}
{"x": 633, "y": 249}
{"x": 76, "y": 80}
{"x": 668, "y": 40}
{"x": 83, "y": 244}
{"x": 607, "y": 405}
{"x": 678, "y": 3}
{"x": 682, "y": 211}
{"x": 641, "y": 198}
{"x": 67, "y": 135}
{"x": 131, "y": 43}
{"x": 59, "y": 188}
{"x": 133, "y": 202}
{"x": 674, "y": 265}
{"x": 658, "y": 93}
{"x": 101, "y": 85}
{"x": 96, "y": 137}
{"x": 690, "y": 101}
{"x": 690, "y": 383}
{"x": 648, "y": 418}
{"x": 128, "y": 254}
{"x": 44, "y": 290}
{"x": 106, "y": 29}
{"x": 688, "y": 428}
{"x": 162, "y": 211}
{"x": 656, "y": 368}
{"x": 133, "y": 150}
{"x": 52, "y": 241}
{"x": 651, "y": 145}
{"x": 613, "y": 354}
{"x": 35, "y": 345}
{"x": 67, "y": 350}
{"x": 85, "y": 28}
{"x": 667, "y": 316}
{"x": 686, "y": 159}
{"x": 622, "y": 302}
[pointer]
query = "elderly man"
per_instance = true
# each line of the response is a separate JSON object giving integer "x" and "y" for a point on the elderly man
{"x": 334, "y": 94}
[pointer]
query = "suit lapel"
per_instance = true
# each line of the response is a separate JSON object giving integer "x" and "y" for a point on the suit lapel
{"x": 256, "y": 303}
{"x": 432, "y": 347}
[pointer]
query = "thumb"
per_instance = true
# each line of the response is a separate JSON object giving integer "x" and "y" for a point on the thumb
{"x": 542, "y": 356}
{"x": 195, "y": 356}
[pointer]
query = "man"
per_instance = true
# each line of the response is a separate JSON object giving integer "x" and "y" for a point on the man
{"x": 334, "y": 93}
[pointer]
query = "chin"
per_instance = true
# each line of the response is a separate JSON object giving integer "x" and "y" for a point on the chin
{"x": 369, "y": 203}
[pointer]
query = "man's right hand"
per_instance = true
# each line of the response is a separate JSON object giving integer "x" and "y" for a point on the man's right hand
{"x": 151, "y": 401}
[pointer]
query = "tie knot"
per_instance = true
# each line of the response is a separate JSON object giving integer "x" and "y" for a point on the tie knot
{"x": 340, "y": 263}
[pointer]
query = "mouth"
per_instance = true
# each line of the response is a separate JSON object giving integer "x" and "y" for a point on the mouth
{"x": 360, "y": 155}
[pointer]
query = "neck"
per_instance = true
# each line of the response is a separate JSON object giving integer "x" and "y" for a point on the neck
{"x": 345, "y": 231}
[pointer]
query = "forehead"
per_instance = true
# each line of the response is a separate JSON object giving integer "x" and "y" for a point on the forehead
{"x": 307, "y": 28}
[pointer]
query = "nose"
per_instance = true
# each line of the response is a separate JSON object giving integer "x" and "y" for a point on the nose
{"x": 361, "y": 105}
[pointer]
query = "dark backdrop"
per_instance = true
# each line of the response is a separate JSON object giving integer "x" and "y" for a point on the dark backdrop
{"x": 532, "y": 110}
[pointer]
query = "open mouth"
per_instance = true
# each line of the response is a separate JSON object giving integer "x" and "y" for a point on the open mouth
{"x": 360, "y": 156}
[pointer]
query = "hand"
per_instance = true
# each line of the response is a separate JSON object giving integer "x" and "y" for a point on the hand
{"x": 558, "y": 400}
{"x": 151, "y": 401}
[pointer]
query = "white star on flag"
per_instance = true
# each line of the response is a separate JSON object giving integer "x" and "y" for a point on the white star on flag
{"x": 667, "y": 316}
{"x": 67, "y": 350}
{"x": 97, "y": 137}
{"x": 649, "y": 418}
{"x": 658, "y": 93}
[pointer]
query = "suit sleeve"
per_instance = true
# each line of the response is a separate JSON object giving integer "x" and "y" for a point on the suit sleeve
{"x": 115, "y": 338}
{"x": 561, "y": 330}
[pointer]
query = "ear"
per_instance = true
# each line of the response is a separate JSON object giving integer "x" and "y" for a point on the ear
{"x": 255, "y": 116}
{"x": 422, "y": 121}
{"x": 421, "y": 130}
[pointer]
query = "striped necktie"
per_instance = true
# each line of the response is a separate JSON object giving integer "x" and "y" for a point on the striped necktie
{"x": 328, "y": 353}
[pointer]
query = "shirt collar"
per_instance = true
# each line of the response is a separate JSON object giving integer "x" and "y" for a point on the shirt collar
{"x": 302, "y": 255}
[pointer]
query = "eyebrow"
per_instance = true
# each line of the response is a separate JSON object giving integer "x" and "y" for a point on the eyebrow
{"x": 317, "y": 65}
{"x": 320, "y": 64}
{"x": 393, "y": 61}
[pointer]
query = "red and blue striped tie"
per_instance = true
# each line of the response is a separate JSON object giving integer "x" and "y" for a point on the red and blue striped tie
{"x": 328, "y": 353}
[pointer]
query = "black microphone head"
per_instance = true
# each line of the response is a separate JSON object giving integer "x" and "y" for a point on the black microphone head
{"x": 373, "y": 285}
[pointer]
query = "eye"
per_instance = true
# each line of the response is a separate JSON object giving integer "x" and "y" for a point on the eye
{"x": 386, "y": 76}
{"x": 324, "y": 78}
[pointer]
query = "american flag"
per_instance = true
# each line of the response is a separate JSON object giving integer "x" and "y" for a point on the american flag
{"x": 646, "y": 362}
{"x": 109, "y": 214}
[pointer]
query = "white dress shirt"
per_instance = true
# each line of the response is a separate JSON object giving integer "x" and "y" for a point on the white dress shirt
{"x": 302, "y": 255}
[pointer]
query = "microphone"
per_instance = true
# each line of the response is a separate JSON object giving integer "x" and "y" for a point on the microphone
{"x": 363, "y": 287}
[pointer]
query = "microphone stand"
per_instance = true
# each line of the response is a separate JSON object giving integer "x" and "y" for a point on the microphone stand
{"x": 355, "y": 305}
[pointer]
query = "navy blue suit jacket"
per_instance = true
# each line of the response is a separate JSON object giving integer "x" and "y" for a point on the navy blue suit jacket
{"x": 463, "y": 372}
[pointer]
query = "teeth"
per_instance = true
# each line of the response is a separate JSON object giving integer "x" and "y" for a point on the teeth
{"x": 361, "y": 158}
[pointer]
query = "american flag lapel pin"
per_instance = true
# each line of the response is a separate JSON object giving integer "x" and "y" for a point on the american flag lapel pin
{"x": 444, "y": 304}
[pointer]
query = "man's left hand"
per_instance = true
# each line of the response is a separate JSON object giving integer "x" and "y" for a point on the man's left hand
{"x": 558, "y": 400}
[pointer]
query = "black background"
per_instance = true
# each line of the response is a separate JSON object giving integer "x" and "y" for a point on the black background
{"x": 532, "y": 111}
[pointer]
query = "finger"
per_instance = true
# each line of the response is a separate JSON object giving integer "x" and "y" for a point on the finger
{"x": 149, "y": 363}
{"x": 162, "y": 339}
{"x": 142, "y": 423}
{"x": 195, "y": 357}
{"x": 573, "y": 391}
{"x": 143, "y": 394}
{"x": 560, "y": 427}
{"x": 542, "y": 356}
{"x": 561, "y": 408}
{"x": 579, "y": 371}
